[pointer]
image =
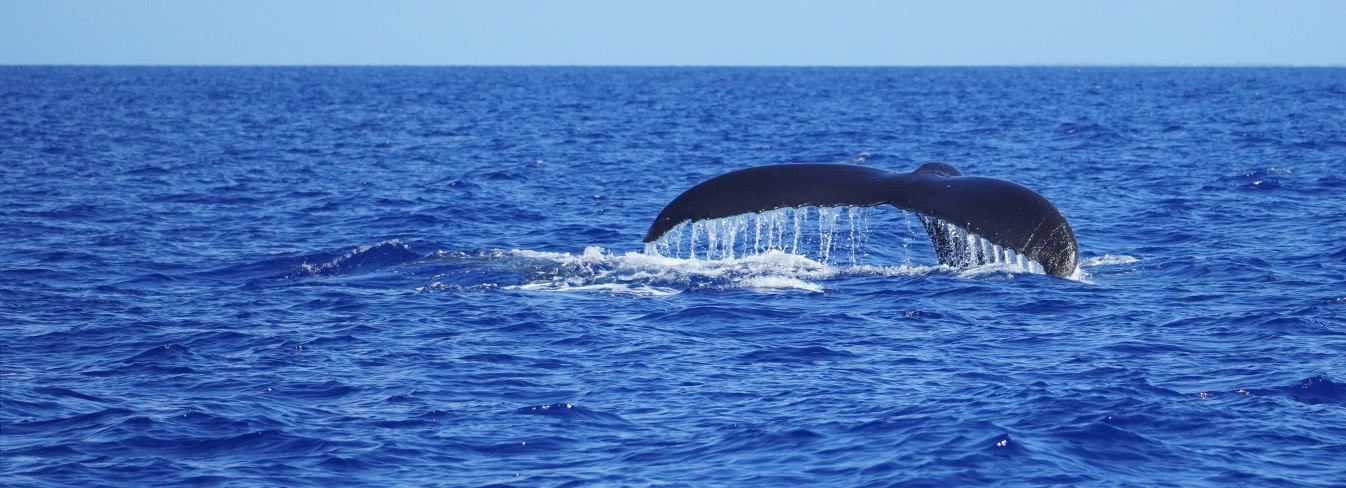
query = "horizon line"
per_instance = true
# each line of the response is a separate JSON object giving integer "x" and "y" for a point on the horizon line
{"x": 403, "y": 65}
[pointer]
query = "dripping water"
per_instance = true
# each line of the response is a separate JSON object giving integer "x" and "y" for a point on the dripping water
{"x": 820, "y": 233}
{"x": 797, "y": 231}
{"x": 958, "y": 247}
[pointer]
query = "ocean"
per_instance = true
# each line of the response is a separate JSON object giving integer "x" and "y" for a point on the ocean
{"x": 402, "y": 276}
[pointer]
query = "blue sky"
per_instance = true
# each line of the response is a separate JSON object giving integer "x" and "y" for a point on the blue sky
{"x": 638, "y": 32}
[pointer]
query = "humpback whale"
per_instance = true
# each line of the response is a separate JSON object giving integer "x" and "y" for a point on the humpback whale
{"x": 1007, "y": 214}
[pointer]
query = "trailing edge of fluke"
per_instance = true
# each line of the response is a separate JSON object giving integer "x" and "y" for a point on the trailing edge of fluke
{"x": 1005, "y": 213}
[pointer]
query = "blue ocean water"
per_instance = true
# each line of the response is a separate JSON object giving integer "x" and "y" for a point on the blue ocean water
{"x": 435, "y": 277}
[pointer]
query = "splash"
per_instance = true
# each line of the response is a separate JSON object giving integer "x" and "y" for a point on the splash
{"x": 781, "y": 250}
{"x": 821, "y": 234}
{"x": 636, "y": 273}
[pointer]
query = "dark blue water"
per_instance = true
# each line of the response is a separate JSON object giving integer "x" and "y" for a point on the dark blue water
{"x": 434, "y": 277}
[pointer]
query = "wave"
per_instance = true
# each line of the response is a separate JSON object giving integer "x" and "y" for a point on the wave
{"x": 1314, "y": 390}
{"x": 778, "y": 251}
{"x": 635, "y": 273}
{"x": 378, "y": 256}
{"x": 600, "y": 270}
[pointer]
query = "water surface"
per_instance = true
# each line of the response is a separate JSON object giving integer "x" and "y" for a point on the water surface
{"x": 434, "y": 277}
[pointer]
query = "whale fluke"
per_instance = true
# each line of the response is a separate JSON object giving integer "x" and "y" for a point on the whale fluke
{"x": 1006, "y": 214}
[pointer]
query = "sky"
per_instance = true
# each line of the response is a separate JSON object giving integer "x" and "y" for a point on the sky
{"x": 668, "y": 32}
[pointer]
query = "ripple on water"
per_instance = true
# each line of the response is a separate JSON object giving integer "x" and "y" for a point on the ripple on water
{"x": 322, "y": 276}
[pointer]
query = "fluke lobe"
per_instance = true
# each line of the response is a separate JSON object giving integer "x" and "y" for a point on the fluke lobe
{"x": 1005, "y": 213}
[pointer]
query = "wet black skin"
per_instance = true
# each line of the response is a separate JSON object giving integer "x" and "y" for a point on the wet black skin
{"x": 1005, "y": 213}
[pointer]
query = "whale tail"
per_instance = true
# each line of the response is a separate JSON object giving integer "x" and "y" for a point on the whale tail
{"x": 1006, "y": 214}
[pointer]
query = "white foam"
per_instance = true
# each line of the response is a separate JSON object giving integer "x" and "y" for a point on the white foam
{"x": 777, "y": 250}
{"x": 612, "y": 288}
{"x": 598, "y": 270}
{"x": 635, "y": 273}
{"x": 768, "y": 283}
{"x": 1106, "y": 260}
